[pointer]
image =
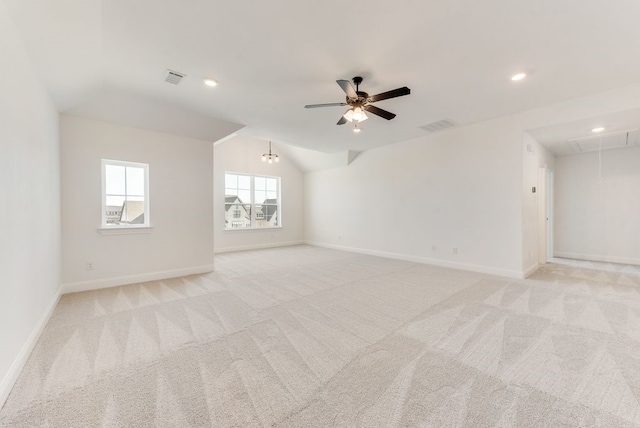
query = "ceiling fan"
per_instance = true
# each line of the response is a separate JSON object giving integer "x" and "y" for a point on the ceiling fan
{"x": 359, "y": 102}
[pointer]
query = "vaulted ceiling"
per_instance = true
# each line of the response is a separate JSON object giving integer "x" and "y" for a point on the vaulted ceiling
{"x": 273, "y": 57}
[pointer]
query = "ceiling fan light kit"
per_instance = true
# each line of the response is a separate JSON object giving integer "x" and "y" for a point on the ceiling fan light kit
{"x": 355, "y": 114}
{"x": 359, "y": 102}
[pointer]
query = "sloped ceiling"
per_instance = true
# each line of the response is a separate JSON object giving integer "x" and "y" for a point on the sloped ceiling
{"x": 271, "y": 58}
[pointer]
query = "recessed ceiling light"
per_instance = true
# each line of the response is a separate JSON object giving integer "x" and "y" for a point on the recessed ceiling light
{"x": 210, "y": 82}
{"x": 518, "y": 76}
{"x": 599, "y": 129}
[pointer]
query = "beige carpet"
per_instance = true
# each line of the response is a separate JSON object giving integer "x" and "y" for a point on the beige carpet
{"x": 310, "y": 337}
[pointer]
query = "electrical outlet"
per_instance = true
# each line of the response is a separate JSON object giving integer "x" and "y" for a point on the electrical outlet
{"x": 455, "y": 250}
{"x": 89, "y": 265}
{"x": 433, "y": 248}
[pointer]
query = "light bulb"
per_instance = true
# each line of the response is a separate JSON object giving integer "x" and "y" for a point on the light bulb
{"x": 358, "y": 114}
{"x": 270, "y": 161}
{"x": 598, "y": 129}
{"x": 264, "y": 158}
{"x": 349, "y": 115}
{"x": 210, "y": 82}
{"x": 277, "y": 158}
{"x": 518, "y": 76}
{"x": 356, "y": 129}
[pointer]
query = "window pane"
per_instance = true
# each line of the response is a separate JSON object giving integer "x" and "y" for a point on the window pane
{"x": 237, "y": 216}
{"x": 260, "y": 196}
{"x": 244, "y": 195}
{"x": 114, "y": 179}
{"x": 231, "y": 180}
{"x": 266, "y": 216}
{"x": 133, "y": 212}
{"x": 115, "y": 200}
{"x": 244, "y": 182}
{"x": 113, "y": 209}
{"x": 135, "y": 181}
{"x": 272, "y": 184}
{"x": 125, "y": 202}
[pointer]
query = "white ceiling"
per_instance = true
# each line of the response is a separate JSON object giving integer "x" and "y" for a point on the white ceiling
{"x": 576, "y": 137}
{"x": 273, "y": 57}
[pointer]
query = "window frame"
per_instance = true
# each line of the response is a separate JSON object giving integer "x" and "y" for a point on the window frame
{"x": 147, "y": 216}
{"x": 253, "y": 204}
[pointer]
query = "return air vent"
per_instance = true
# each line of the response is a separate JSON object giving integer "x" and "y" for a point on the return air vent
{"x": 610, "y": 141}
{"x": 439, "y": 125}
{"x": 174, "y": 77}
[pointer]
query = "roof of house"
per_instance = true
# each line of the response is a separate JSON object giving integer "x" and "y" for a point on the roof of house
{"x": 270, "y": 208}
{"x": 232, "y": 200}
{"x": 133, "y": 212}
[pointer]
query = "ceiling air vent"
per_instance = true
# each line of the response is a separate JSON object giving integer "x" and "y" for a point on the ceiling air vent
{"x": 174, "y": 77}
{"x": 439, "y": 125}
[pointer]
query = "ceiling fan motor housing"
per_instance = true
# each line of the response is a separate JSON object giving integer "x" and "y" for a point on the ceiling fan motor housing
{"x": 362, "y": 99}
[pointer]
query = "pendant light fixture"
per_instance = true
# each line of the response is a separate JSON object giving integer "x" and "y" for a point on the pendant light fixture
{"x": 270, "y": 157}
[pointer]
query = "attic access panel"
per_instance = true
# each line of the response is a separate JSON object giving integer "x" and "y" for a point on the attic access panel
{"x": 606, "y": 142}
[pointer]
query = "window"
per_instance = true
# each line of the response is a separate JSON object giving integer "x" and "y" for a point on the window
{"x": 251, "y": 201}
{"x": 125, "y": 194}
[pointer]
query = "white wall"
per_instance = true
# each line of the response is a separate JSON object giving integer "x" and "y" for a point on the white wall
{"x": 457, "y": 189}
{"x": 598, "y": 219}
{"x": 463, "y": 188}
{"x": 534, "y": 157}
{"x": 30, "y": 214}
{"x": 181, "y": 211}
{"x": 243, "y": 154}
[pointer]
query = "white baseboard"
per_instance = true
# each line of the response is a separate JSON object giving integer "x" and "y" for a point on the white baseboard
{"x": 530, "y": 270}
{"x": 425, "y": 260}
{"x": 597, "y": 258}
{"x": 257, "y": 246}
{"x": 18, "y": 363}
{"x": 132, "y": 279}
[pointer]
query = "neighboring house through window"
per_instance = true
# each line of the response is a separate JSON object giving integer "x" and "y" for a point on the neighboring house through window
{"x": 251, "y": 201}
{"x": 125, "y": 194}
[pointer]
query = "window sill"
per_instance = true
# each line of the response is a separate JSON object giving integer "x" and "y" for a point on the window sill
{"x": 252, "y": 229}
{"x": 125, "y": 230}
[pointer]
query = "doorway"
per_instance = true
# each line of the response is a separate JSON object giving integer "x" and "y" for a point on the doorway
{"x": 545, "y": 215}
{"x": 549, "y": 215}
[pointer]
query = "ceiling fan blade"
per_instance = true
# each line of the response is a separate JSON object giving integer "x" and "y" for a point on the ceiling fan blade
{"x": 379, "y": 112}
{"x": 390, "y": 94}
{"x": 347, "y": 87}
{"x": 342, "y": 121}
{"x": 324, "y": 105}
